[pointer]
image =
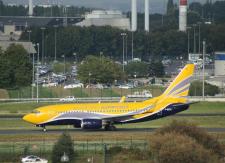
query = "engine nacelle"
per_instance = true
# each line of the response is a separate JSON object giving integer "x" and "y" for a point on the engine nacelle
{"x": 91, "y": 124}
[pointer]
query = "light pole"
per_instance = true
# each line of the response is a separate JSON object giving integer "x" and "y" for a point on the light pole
{"x": 89, "y": 78}
{"x": 123, "y": 35}
{"x": 89, "y": 74}
{"x": 199, "y": 37}
{"x": 126, "y": 48}
{"x": 37, "y": 75}
{"x": 43, "y": 44}
{"x": 75, "y": 56}
{"x": 100, "y": 54}
{"x": 194, "y": 39}
{"x": 203, "y": 70}
{"x": 188, "y": 32}
{"x": 64, "y": 63}
{"x": 29, "y": 32}
{"x": 132, "y": 46}
{"x": 32, "y": 85}
{"x": 55, "y": 26}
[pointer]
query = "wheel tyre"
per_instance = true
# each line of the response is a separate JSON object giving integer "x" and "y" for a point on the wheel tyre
{"x": 113, "y": 128}
{"x": 106, "y": 128}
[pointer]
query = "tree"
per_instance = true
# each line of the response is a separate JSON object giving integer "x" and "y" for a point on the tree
{"x": 174, "y": 147}
{"x": 99, "y": 70}
{"x": 170, "y": 7}
{"x": 196, "y": 87}
{"x": 140, "y": 69}
{"x": 64, "y": 145}
{"x": 199, "y": 135}
{"x": 6, "y": 76}
{"x": 20, "y": 65}
{"x": 15, "y": 67}
{"x": 156, "y": 69}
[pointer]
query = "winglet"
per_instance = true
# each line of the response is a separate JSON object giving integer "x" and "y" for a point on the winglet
{"x": 122, "y": 99}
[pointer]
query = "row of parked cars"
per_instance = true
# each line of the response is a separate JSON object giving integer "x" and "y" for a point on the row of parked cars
{"x": 98, "y": 86}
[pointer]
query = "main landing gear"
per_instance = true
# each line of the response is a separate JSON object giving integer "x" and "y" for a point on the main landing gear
{"x": 110, "y": 127}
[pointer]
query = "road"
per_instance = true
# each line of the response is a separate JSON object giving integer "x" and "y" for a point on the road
{"x": 120, "y": 130}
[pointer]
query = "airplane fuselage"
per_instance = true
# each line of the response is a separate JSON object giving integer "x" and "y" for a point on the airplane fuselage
{"x": 98, "y": 115}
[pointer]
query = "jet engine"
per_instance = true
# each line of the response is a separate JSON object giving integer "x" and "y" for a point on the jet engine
{"x": 91, "y": 124}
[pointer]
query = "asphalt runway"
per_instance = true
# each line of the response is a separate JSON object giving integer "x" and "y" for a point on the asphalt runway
{"x": 177, "y": 115}
{"x": 80, "y": 131}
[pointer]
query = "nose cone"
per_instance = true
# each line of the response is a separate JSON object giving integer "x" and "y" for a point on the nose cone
{"x": 29, "y": 118}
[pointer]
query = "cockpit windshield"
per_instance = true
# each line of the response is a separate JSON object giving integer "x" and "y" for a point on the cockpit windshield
{"x": 36, "y": 112}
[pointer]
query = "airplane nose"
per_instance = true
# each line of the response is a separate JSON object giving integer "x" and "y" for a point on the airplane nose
{"x": 29, "y": 118}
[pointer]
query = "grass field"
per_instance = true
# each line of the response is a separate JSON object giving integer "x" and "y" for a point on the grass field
{"x": 59, "y": 91}
{"x": 198, "y": 108}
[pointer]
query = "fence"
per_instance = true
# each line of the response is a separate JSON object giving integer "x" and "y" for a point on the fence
{"x": 59, "y": 92}
{"x": 85, "y": 150}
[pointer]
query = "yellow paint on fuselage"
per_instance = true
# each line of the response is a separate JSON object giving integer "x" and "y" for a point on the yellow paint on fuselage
{"x": 175, "y": 93}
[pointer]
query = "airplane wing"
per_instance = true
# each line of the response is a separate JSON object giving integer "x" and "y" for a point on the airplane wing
{"x": 129, "y": 115}
{"x": 119, "y": 118}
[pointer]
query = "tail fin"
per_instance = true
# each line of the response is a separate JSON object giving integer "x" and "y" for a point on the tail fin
{"x": 180, "y": 86}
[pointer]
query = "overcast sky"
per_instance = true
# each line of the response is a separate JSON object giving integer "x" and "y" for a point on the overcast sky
{"x": 156, "y": 6}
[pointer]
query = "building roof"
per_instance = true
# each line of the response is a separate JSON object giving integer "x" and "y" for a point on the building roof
{"x": 28, "y": 46}
{"x": 37, "y": 21}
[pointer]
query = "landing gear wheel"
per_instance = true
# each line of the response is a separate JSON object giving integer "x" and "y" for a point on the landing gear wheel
{"x": 44, "y": 129}
{"x": 110, "y": 128}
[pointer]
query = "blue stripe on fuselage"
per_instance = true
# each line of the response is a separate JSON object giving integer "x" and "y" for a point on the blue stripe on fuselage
{"x": 169, "y": 110}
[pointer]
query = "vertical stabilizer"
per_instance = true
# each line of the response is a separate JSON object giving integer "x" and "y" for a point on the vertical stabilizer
{"x": 180, "y": 85}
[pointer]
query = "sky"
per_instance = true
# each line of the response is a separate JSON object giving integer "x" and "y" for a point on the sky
{"x": 156, "y": 6}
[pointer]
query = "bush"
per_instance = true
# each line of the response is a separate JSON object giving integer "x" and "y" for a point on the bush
{"x": 196, "y": 89}
{"x": 121, "y": 155}
{"x": 174, "y": 147}
{"x": 63, "y": 145}
{"x": 198, "y": 134}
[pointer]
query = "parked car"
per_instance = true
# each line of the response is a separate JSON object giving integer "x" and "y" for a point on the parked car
{"x": 143, "y": 94}
{"x": 127, "y": 86}
{"x": 50, "y": 85}
{"x": 77, "y": 85}
{"x": 33, "y": 159}
{"x": 68, "y": 99}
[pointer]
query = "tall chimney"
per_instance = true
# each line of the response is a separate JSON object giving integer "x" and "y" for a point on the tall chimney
{"x": 183, "y": 15}
{"x": 147, "y": 15}
{"x": 30, "y": 8}
{"x": 134, "y": 15}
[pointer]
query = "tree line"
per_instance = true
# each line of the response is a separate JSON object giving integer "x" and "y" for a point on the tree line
{"x": 104, "y": 70}
{"x": 106, "y": 40}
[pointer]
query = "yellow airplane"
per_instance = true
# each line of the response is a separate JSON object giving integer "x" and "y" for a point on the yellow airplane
{"x": 98, "y": 115}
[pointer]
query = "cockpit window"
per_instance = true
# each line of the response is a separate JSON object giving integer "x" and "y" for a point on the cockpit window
{"x": 36, "y": 112}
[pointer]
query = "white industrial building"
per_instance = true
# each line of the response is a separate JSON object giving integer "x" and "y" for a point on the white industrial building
{"x": 112, "y": 18}
{"x": 219, "y": 63}
{"x": 183, "y": 15}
